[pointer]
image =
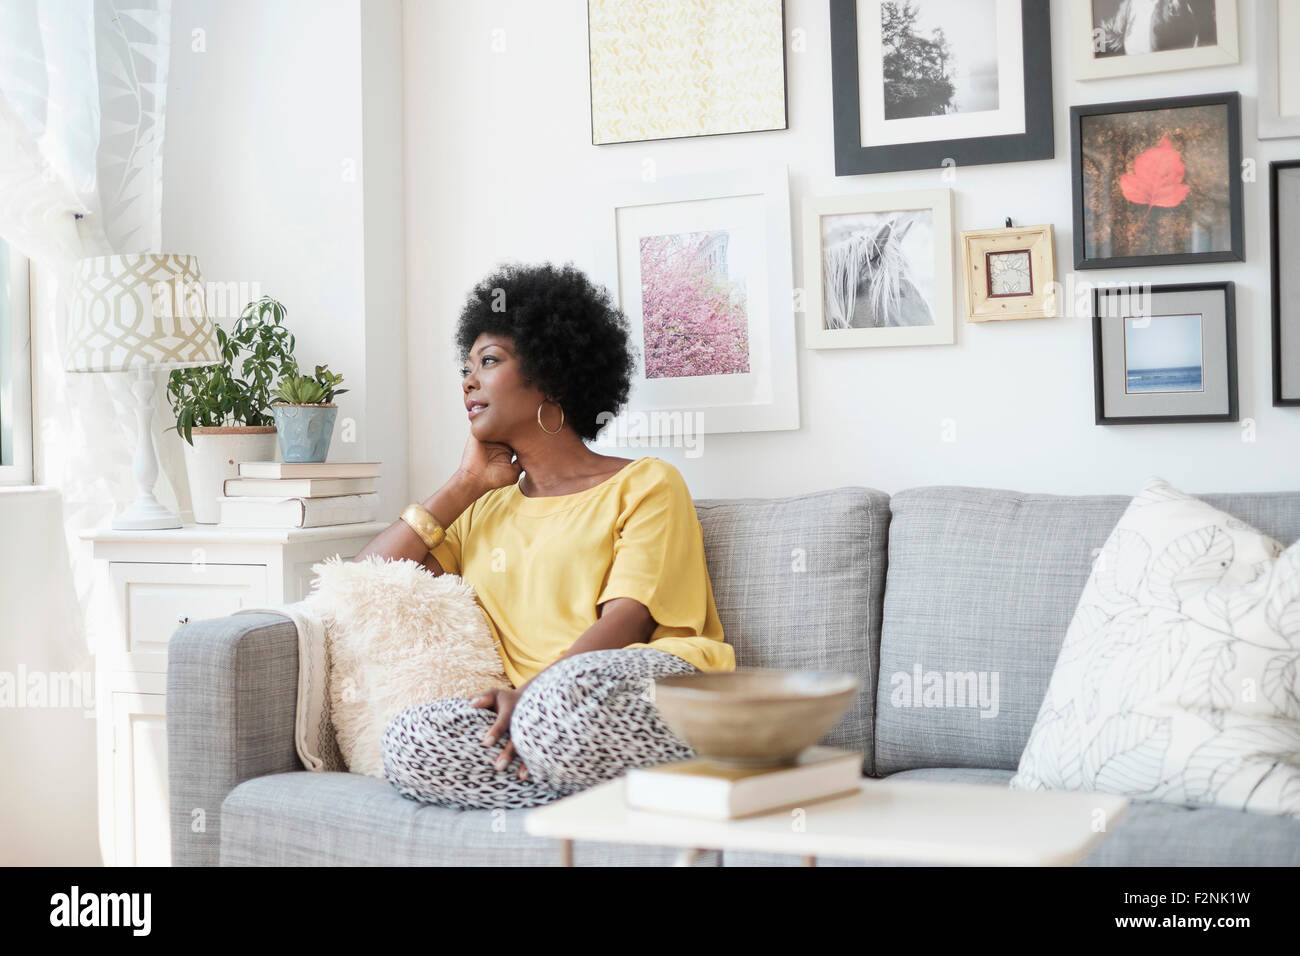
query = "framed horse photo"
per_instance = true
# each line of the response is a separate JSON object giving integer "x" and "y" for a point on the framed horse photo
{"x": 878, "y": 269}
{"x": 932, "y": 84}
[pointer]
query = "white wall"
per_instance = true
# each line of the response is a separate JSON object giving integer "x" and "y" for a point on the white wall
{"x": 499, "y": 159}
{"x": 265, "y": 179}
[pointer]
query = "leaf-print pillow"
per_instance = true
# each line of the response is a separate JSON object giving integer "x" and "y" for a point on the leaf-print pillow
{"x": 1179, "y": 676}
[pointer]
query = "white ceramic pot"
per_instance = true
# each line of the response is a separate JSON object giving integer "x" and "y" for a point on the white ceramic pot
{"x": 215, "y": 456}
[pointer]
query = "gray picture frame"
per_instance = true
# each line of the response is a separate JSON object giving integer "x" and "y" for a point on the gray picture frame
{"x": 1215, "y": 402}
{"x": 1037, "y": 142}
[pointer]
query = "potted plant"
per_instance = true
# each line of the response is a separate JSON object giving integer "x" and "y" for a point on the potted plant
{"x": 304, "y": 416}
{"x": 223, "y": 411}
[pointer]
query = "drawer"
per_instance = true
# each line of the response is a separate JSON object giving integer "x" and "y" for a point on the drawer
{"x": 153, "y": 600}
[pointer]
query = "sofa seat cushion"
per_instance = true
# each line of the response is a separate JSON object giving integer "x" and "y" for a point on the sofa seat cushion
{"x": 312, "y": 818}
{"x": 1150, "y": 833}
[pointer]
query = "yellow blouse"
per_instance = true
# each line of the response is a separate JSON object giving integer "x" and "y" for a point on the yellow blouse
{"x": 541, "y": 566}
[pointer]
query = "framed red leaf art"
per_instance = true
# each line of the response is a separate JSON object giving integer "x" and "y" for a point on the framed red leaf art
{"x": 1157, "y": 182}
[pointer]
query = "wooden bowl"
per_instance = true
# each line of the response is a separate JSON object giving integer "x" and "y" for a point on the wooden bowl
{"x": 754, "y": 716}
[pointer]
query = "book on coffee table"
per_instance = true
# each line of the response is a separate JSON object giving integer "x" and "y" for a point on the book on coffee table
{"x": 715, "y": 791}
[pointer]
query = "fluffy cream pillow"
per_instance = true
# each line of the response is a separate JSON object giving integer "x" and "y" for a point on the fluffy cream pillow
{"x": 1179, "y": 676}
{"x": 397, "y": 635}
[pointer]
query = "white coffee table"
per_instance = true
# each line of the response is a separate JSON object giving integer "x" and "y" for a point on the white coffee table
{"x": 916, "y": 821}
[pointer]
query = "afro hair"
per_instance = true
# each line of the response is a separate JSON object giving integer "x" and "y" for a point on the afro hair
{"x": 571, "y": 339}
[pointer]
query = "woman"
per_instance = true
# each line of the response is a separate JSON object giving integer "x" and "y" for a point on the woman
{"x": 590, "y": 569}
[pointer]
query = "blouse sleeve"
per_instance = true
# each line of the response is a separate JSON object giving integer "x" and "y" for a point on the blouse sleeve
{"x": 448, "y": 551}
{"x": 659, "y": 557}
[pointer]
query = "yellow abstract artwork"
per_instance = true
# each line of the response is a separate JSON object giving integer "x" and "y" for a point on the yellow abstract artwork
{"x": 662, "y": 69}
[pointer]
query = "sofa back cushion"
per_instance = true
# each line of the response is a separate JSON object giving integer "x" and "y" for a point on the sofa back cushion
{"x": 798, "y": 584}
{"x": 981, "y": 587}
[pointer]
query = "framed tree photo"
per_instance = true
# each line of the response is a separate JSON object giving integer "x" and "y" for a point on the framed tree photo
{"x": 1284, "y": 242}
{"x": 1165, "y": 353}
{"x": 1157, "y": 182}
{"x": 925, "y": 84}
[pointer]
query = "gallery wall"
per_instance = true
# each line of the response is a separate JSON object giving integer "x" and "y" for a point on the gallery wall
{"x": 500, "y": 166}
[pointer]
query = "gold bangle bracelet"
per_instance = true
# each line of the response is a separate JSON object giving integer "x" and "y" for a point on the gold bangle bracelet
{"x": 424, "y": 524}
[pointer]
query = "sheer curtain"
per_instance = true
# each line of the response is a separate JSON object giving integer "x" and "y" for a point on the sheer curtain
{"x": 83, "y": 89}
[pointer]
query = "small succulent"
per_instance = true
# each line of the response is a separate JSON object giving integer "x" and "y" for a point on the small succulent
{"x": 310, "y": 390}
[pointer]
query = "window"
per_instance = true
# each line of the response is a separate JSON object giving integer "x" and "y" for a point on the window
{"x": 15, "y": 369}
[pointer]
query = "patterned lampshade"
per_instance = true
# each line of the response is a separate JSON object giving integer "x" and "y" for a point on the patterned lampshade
{"x": 138, "y": 311}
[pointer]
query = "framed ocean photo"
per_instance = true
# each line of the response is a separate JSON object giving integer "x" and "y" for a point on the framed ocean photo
{"x": 1157, "y": 182}
{"x": 1165, "y": 353}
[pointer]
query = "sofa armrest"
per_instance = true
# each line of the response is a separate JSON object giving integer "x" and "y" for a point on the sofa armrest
{"x": 232, "y": 688}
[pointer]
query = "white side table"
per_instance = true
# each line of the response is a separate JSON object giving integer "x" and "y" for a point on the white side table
{"x": 161, "y": 580}
{"x": 919, "y": 821}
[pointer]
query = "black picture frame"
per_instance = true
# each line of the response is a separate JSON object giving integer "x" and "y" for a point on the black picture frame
{"x": 1228, "y": 289}
{"x": 1232, "y": 102}
{"x": 1275, "y": 281}
{"x": 1037, "y": 142}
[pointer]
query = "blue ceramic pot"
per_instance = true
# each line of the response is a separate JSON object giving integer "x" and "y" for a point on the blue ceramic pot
{"x": 304, "y": 430}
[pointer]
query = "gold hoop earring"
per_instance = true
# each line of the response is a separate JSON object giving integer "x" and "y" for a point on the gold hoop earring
{"x": 543, "y": 427}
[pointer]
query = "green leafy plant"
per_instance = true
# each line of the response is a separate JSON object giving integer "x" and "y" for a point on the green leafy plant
{"x": 262, "y": 348}
{"x": 308, "y": 390}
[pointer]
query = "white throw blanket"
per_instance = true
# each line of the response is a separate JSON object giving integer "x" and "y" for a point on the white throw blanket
{"x": 313, "y": 729}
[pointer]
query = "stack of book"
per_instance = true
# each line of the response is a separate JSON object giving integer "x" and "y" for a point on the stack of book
{"x": 310, "y": 494}
{"x": 715, "y": 791}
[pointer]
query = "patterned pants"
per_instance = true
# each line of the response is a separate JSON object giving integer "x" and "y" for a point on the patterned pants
{"x": 584, "y": 720}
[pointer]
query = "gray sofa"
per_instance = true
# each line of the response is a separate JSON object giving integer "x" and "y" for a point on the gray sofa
{"x": 851, "y": 579}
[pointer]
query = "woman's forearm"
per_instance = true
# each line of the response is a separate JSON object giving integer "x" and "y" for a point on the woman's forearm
{"x": 399, "y": 540}
{"x": 608, "y": 633}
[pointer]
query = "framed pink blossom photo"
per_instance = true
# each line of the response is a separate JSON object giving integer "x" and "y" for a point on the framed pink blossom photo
{"x": 701, "y": 267}
{"x": 1157, "y": 182}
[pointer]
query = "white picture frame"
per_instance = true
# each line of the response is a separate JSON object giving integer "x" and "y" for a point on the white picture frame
{"x": 1278, "y": 23}
{"x": 1087, "y": 66}
{"x": 818, "y": 333}
{"x": 753, "y": 207}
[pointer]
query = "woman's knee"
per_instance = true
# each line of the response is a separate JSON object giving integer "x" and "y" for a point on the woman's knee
{"x": 413, "y": 733}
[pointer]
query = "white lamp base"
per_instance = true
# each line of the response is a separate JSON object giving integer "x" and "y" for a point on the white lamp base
{"x": 145, "y": 513}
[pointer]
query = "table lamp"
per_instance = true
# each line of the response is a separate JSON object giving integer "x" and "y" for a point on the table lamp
{"x": 139, "y": 313}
